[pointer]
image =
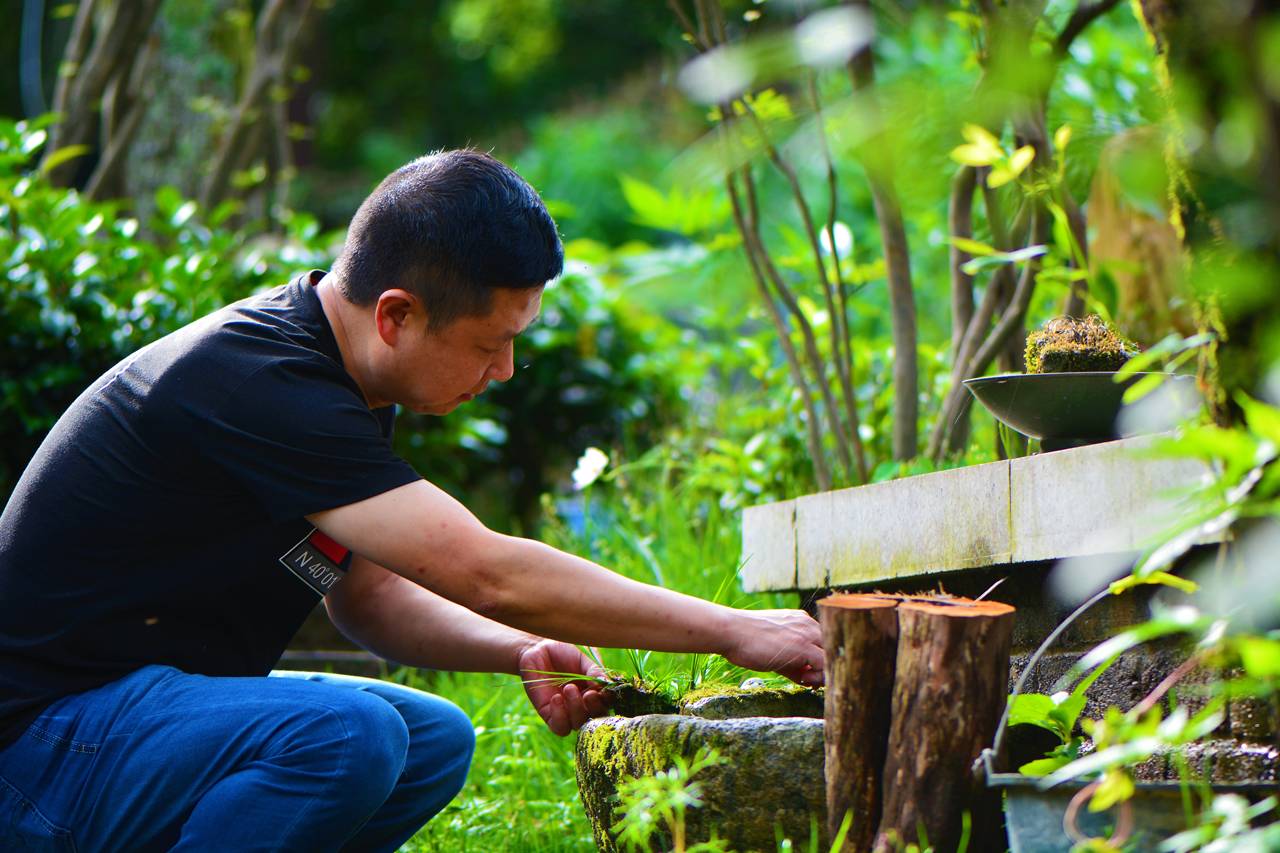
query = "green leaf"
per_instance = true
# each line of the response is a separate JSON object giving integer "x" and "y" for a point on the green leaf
{"x": 999, "y": 176}
{"x": 1260, "y": 656}
{"x": 973, "y": 247}
{"x": 1044, "y": 766}
{"x": 1178, "y": 622}
{"x": 1061, "y": 137}
{"x": 1262, "y": 420}
{"x": 1021, "y": 159}
{"x": 62, "y": 155}
{"x": 1143, "y": 387}
{"x": 1117, "y": 786}
{"x": 1032, "y": 709}
{"x": 1162, "y": 578}
{"x": 974, "y": 155}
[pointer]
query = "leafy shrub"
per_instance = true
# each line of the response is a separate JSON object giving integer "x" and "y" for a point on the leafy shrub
{"x": 83, "y": 286}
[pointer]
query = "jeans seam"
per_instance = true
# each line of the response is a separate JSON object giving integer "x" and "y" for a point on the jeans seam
{"x": 53, "y": 829}
{"x": 66, "y": 743}
{"x": 346, "y": 749}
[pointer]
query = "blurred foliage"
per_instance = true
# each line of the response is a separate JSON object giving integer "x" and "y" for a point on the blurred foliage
{"x": 83, "y": 287}
{"x": 394, "y": 79}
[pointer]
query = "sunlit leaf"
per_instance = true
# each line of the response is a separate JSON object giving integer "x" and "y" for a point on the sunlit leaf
{"x": 973, "y": 247}
{"x": 1116, "y": 787}
{"x": 1021, "y": 159}
{"x": 1260, "y": 656}
{"x": 1044, "y": 766}
{"x": 1061, "y": 137}
{"x": 980, "y": 136}
{"x": 62, "y": 155}
{"x": 1263, "y": 420}
{"x": 999, "y": 176}
{"x": 1032, "y": 709}
{"x": 974, "y": 155}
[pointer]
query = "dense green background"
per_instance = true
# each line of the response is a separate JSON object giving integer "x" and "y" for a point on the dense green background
{"x": 653, "y": 345}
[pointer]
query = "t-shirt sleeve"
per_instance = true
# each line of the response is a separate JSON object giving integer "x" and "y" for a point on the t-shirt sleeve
{"x": 300, "y": 440}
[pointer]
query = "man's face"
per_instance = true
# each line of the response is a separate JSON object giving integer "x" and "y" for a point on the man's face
{"x": 435, "y": 372}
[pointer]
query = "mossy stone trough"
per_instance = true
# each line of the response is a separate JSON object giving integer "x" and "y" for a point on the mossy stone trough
{"x": 769, "y": 782}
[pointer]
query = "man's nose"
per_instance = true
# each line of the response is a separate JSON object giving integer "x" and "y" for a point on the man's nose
{"x": 504, "y": 367}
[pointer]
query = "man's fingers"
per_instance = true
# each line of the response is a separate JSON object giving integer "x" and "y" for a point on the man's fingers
{"x": 573, "y": 704}
{"x": 556, "y": 717}
{"x": 594, "y": 702}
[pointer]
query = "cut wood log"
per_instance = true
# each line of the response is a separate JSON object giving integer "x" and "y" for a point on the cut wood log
{"x": 950, "y": 685}
{"x": 860, "y": 638}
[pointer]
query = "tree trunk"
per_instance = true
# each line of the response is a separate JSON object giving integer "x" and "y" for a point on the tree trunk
{"x": 281, "y": 28}
{"x": 952, "y": 676}
{"x": 878, "y": 162}
{"x": 860, "y": 638}
{"x": 100, "y": 55}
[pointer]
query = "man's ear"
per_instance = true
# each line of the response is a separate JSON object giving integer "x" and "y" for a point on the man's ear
{"x": 397, "y": 312}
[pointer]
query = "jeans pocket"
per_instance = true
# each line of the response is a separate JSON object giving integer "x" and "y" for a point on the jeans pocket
{"x": 24, "y": 828}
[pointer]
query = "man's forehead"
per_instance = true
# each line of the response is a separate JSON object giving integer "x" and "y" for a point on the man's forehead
{"x": 514, "y": 310}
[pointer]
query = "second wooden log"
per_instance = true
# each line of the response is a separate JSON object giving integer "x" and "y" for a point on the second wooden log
{"x": 950, "y": 684}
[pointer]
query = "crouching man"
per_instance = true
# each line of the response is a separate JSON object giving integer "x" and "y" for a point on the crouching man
{"x": 189, "y": 509}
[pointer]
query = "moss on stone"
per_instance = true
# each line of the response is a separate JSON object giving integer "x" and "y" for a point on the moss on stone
{"x": 1072, "y": 345}
{"x": 721, "y": 701}
{"x": 771, "y": 775}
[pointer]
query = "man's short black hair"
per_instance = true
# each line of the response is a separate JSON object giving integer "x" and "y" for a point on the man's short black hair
{"x": 449, "y": 227}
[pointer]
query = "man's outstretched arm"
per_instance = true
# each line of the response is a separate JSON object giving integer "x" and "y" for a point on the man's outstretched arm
{"x": 404, "y": 622}
{"x": 422, "y": 534}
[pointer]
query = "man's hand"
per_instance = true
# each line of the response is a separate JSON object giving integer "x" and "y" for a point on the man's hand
{"x": 563, "y": 704}
{"x": 788, "y": 642}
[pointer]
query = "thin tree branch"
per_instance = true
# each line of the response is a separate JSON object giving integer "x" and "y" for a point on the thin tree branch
{"x": 281, "y": 25}
{"x": 841, "y": 341}
{"x": 748, "y": 229}
{"x": 843, "y": 440}
{"x": 897, "y": 257}
{"x": 960, "y": 224}
{"x": 1011, "y": 319}
{"x": 687, "y": 25}
{"x": 1085, "y": 14}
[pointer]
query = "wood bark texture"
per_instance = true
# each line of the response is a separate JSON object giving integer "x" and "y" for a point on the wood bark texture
{"x": 860, "y": 639}
{"x": 950, "y": 684}
{"x": 99, "y": 63}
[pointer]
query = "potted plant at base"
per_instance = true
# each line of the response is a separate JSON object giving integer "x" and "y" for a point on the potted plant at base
{"x": 1231, "y": 619}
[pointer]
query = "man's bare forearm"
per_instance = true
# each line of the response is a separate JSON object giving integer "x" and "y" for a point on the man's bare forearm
{"x": 549, "y": 592}
{"x": 403, "y": 622}
{"x": 429, "y": 538}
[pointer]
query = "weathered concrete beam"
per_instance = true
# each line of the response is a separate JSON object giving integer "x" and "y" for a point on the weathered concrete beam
{"x": 1104, "y": 498}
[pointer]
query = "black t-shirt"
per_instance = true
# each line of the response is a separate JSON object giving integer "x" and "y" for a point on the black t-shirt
{"x": 162, "y": 519}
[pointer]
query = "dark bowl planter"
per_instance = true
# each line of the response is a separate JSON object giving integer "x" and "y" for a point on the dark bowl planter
{"x": 1060, "y": 409}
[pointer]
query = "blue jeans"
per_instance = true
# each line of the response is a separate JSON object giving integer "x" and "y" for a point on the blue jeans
{"x": 164, "y": 760}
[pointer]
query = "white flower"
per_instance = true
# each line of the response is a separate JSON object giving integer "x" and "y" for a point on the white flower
{"x": 844, "y": 240}
{"x": 590, "y": 466}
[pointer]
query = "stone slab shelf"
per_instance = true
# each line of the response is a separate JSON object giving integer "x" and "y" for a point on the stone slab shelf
{"x": 1100, "y": 499}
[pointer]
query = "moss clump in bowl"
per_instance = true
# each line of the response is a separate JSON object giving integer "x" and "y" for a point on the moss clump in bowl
{"x": 1074, "y": 345}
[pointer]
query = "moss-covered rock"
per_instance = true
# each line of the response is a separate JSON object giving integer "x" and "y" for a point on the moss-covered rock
{"x": 771, "y": 775}
{"x": 1071, "y": 345}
